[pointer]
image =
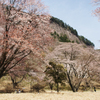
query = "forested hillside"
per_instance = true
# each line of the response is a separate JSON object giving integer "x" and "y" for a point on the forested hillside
{"x": 63, "y": 37}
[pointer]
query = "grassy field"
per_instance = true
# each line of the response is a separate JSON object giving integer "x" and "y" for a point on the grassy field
{"x": 5, "y": 84}
{"x": 63, "y": 95}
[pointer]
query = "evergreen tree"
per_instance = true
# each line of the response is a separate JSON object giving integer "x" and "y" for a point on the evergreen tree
{"x": 57, "y": 72}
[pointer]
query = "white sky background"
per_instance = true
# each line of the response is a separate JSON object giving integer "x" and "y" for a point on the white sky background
{"x": 78, "y": 14}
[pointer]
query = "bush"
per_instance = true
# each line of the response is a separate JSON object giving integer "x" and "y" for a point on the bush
{"x": 77, "y": 42}
{"x": 61, "y": 37}
{"x": 37, "y": 87}
{"x": 72, "y": 41}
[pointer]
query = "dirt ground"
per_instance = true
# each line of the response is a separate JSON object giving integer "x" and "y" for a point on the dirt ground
{"x": 63, "y": 95}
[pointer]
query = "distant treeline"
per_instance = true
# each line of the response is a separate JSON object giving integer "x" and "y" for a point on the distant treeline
{"x": 72, "y": 30}
{"x": 86, "y": 41}
{"x": 64, "y": 25}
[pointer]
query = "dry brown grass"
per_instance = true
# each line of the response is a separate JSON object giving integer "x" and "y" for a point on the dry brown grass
{"x": 64, "y": 95}
{"x": 5, "y": 84}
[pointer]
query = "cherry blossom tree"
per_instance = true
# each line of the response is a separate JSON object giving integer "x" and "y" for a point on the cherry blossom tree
{"x": 97, "y": 10}
{"x": 78, "y": 66}
{"x": 30, "y": 6}
{"x": 80, "y": 62}
{"x": 18, "y": 73}
{"x": 21, "y": 32}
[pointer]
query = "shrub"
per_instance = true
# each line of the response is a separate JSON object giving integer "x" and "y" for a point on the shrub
{"x": 37, "y": 87}
{"x": 72, "y": 41}
{"x": 64, "y": 38}
{"x": 77, "y": 42}
{"x": 61, "y": 37}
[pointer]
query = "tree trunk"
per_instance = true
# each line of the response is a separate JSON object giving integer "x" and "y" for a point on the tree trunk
{"x": 57, "y": 87}
{"x": 78, "y": 85}
{"x": 51, "y": 86}
{"x": 14, "y": 83}
{"x": 69, "y": 81}
{"x": 73, "y": 87}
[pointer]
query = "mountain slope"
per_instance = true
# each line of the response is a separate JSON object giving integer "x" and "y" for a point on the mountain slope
{"x": 62, "y": 29}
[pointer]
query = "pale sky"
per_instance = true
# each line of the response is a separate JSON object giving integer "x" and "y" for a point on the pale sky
{"x": 78, "y": 14}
